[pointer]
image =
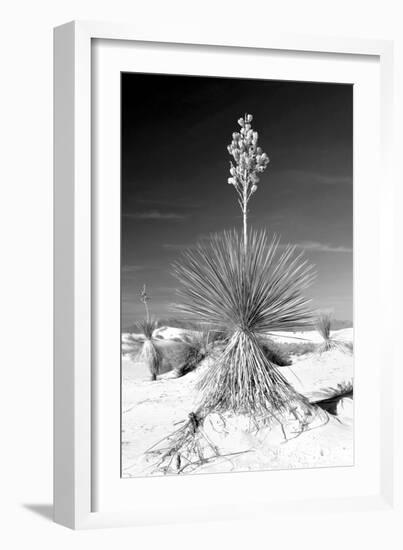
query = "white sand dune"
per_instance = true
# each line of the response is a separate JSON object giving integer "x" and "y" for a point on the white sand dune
{"x": 170, "y": 333}
{"x": 344, "y": 335}
{"x": 151, "y": 410}
{"x": 321, "y": 376}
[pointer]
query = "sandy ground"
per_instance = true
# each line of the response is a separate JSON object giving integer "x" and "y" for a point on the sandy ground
{"x": 151, "y": 410}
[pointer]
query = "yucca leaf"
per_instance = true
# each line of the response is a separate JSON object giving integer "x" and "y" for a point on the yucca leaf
{"x": 261, "y": 291}
{"x": 323, "y": 326}
{"x": 147, "y": 327}
{"x": 244, "y": 381}
{"x": 250, "y": 293}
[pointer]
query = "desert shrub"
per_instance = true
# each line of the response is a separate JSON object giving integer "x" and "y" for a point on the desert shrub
{"x": 323, "y": 326}
{"x": 152, "y": 356}
{"x": 173, "y": 353}
{"x": 192, "y": 357}
{"x": 150, "y": 353}
{"x": 329, "y": 404}
{"x": 275, "y": 353}
{"x": 199, "y": 345}
{"x": 147, "y": 328}
{"x": 250, "y": 294}
{"x": 297, "y": 348}
{"x": 178, "y": 322}
{"x": 280, "y": 353}
{"x": 349, "y": 346}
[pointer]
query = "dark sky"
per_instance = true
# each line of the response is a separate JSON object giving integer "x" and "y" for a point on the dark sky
{"x": 175, "y": 132}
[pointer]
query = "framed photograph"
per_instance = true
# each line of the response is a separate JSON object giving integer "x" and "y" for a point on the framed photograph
{"x": 221, "y": 234}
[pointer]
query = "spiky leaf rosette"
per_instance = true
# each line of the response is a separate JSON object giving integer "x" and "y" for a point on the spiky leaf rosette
{"x": 150, "y": 353}
{"x": 152, "y": 357}
{"x": 250, "y": 293}
{"x": 147, "y": 327}
{"x": 260, "y": 292}
{"x": 323, "y": 326}
{"x": 243, "y": 380}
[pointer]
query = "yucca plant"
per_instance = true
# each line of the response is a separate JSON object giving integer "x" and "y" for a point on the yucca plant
{"x": 250, "y": 285}
{"x": 150, "y": 354}
{"x": 199, "y": 344}
{"x": 329, "y": 343}
{"x": 275, "y": 352}
{"x": 195, "y": 350}
{"x": 251, "y": 294}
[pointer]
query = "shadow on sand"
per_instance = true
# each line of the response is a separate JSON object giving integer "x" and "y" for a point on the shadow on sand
{"x": 44, "y": 510}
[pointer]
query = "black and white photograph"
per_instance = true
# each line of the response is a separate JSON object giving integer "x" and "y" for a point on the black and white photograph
{"x": 236, "y": 275}
{"x": 202, "y": 275}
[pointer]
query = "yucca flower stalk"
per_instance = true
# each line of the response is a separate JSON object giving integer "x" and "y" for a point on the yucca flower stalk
{"x": 249, "y": 161}
{"x": 144, "y": 298}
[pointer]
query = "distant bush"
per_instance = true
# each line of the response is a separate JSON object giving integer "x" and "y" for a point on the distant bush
{"x": 275, "y": 353}
{"x": 177, "y": 322}
{"x": 174, "y": 353}
{"x": 280, "y": 353}
{"x": 199, "y": 344}
{"x": 150, "y": 354}
{"x": 298, "y": 348}
{"x": 324, "y": 326}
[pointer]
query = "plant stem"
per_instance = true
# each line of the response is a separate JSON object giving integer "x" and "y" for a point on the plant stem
{"x": 245, "y": 228}
{"x": 245, "y": 206}
{"x": 245, "y": 212}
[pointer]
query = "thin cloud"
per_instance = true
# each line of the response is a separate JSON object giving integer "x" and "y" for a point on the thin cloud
{"x": 203, "y": 237}
{"x": 334, "y": 180}
{"x": 155, "y": 215}
{"x": 315, "y": 246}
{"x": 133, "y": 268}
{"x": 318, "y": 178}
{"x": 177, "y": 203}
{"x": 178, "y": 247}
{"x": 165, "y": 289}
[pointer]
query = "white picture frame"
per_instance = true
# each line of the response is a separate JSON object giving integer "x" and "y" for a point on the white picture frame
{"x": 76, "y": 470}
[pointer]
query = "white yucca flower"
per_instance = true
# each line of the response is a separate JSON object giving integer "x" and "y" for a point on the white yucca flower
{"x": 249, "y": 160}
